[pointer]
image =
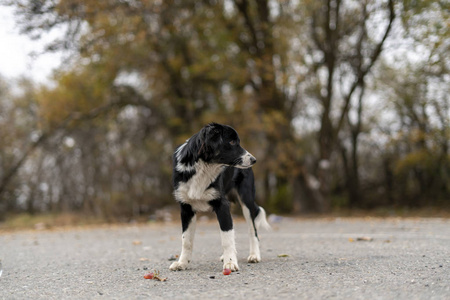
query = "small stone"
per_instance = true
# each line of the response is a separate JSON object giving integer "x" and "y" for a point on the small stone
{"x": 173, "y": 257}
{"x": 212, "y": 277}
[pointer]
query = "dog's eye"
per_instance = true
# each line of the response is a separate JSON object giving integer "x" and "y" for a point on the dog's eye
{"x": 232, "y": 143}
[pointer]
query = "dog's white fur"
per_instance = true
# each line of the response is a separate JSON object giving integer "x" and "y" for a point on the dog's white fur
{"x": 195, "y": 191}
{"x": 260, "y": 222}
{"x": 182, "y": 167}
{"x": 187, "y": 244}
{"x": 229, "y": 250}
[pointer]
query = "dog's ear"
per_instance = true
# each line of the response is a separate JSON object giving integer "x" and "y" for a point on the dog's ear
{"x": 210, "y": 139}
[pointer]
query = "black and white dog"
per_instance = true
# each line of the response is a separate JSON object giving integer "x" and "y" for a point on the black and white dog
{"x": 207, "y": 169}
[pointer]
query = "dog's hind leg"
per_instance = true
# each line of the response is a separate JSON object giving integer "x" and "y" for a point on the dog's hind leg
{"x": 188, "y": 222}
{"x": 254, "y": 215}
{"x": 255, "y": 255}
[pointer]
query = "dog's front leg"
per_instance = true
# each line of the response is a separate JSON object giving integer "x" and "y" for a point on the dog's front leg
{"x": 222, "y": 209}
{"x": 188, "y": 222}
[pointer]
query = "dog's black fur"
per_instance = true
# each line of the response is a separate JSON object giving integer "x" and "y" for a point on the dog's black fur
{"x": 208, "y": 170}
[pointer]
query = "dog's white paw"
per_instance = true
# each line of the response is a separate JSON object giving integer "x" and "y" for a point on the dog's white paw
{"x": 253, "y": 258}
{"x": 233, "y": 266}
{"x": 178, "y": 266}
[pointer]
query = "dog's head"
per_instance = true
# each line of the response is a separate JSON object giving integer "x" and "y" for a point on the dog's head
{"x": 220, "y": 144}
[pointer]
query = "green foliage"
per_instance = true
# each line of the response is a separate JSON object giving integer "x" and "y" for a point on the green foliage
{"x": 339, "y": 202}
{"x": 281, "y": 201}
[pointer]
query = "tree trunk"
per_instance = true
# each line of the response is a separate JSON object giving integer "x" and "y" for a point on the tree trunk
{"x": 308, "y": 194}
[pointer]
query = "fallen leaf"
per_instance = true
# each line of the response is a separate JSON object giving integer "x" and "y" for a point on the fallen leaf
{"x": 351, "y": 240}
{"x": 365, "y": 239}
{"x": 283, "y": 255}
{"x": 136, "y": 242}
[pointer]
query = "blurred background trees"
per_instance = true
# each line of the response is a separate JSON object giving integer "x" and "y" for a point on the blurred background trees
{"x": 344, "y": 103}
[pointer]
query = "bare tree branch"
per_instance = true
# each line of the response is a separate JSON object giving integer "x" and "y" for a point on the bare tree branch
{"x": 365, "y": 70}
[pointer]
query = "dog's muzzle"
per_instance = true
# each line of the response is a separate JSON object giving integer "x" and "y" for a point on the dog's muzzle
{"x": 247, "y": 160}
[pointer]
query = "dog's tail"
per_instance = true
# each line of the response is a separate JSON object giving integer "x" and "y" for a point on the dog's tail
{"x": 261, "y": 220}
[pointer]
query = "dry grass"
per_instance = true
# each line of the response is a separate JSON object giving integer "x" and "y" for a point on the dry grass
{"x": 65, "y": 220}
{"x": 47, "y": 221}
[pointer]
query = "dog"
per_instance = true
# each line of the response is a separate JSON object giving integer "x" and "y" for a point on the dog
{"x": 209, "y": 170}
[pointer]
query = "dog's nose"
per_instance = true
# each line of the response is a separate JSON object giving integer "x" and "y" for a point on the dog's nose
{"x": 252, "y": 160}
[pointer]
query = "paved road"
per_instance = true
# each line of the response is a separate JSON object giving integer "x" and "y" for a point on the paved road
{"x": 407, "y": 259}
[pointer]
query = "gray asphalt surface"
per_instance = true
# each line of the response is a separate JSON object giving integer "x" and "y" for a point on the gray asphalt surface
{"x": 407, "y": 259}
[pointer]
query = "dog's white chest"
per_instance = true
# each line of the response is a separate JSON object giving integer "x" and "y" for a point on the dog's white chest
{"x": 195, "y": 191}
